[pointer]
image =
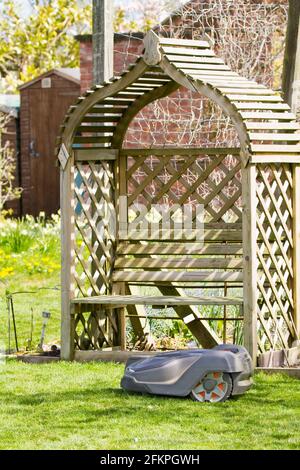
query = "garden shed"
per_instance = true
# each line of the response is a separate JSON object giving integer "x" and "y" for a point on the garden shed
{"x": 44, "y": 102}
{"x": 250, "y": 249}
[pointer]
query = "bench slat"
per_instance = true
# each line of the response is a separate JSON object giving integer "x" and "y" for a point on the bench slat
{"x": 178, "y": 249}
{"x": 209, "y": 235}
{"x": 160, "y": 300}
{"x": 158, "y": 276}
{"x": 177, "y": 263}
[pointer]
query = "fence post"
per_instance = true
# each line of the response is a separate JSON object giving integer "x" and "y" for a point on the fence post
{"x": 103, "y": 41}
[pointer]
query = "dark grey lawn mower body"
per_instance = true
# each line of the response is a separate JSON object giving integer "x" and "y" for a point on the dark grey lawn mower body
{"x": 211, "y": 375}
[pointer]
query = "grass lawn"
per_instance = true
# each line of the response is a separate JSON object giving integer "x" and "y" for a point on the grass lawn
{"x": 30, "y": 262}
{"x": 80, "y": 406}
{"x": 41, "y": 300}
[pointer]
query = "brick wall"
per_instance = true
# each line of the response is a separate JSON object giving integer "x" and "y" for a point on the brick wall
{"x": 126, "y": 50}
{"x": 184, "y": 118}
{"x": 86, "y": 63}
{"x": 158, "y": 123}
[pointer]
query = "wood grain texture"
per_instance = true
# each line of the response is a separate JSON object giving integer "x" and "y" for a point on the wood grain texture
{"x": 158, "y": 300}
{"x": 250, "y": 261}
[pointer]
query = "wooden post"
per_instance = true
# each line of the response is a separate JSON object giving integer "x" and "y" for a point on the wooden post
{"x": 103, "y": 40}
{"x": 67, "y": 250}
{"x": 296, "y": 247}
{"x": 102, "y": 62}
{"x": 250, "y": 260}
{"x": 291, "y": 65}
{"x": 122, "y": 326}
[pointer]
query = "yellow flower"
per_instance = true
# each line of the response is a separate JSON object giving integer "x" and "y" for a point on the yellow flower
{"x": 6, "y": 272}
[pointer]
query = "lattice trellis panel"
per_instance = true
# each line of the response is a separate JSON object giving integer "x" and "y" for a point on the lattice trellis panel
{"x": 96, "y": 328}
{"x": 213, "y": 181}
{"x": 274, "y": 253}
{"x": 94, "y": 228}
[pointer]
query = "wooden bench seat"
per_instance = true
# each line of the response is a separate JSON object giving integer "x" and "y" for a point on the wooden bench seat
{"x": 123, "y": 300}
{"x": 167, "y": 269}
{"x": 200, "y": 280}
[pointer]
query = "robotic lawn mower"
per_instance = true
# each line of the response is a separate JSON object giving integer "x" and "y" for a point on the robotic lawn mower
{"x": 207, "y": 375}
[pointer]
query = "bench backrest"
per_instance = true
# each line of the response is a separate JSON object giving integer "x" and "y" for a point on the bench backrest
{"x": 190, "y": 177}
{"x": 217, "y": 259}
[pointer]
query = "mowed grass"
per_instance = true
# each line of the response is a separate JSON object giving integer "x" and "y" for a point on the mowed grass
{"x": 81, "y": 406}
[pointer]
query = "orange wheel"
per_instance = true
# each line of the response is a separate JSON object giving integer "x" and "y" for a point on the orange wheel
{"x": 215, "y": 387}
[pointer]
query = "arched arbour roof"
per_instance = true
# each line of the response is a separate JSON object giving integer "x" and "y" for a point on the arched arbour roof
{"x": 264, "y": 123}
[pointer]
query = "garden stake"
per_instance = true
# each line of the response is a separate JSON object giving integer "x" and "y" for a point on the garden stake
{"x": 29, "y": 342}
{"x": 8, "y": 321}
{"x": 14, "y": 322}
{"x": 46, "y": 316}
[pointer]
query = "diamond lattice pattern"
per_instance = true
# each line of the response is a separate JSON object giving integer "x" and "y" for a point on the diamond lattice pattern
{"x": 213, "y": 181}
{"x": 96, "y": 329}
{"x": 94, "y": 228}
{"x": 274, "y": 255}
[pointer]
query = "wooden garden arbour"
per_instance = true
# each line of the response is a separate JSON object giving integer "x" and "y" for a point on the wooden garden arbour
{"x": 100, "y": 272}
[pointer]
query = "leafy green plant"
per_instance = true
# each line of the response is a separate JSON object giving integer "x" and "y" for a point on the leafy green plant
{"x": 16, "y": 236}
{"x": 42, "y": 41}
{"x": 179, "y": 328}
{"x": 238, "y": 333}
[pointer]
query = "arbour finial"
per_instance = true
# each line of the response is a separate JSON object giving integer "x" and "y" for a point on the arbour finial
{"x": 152, "y": 55}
